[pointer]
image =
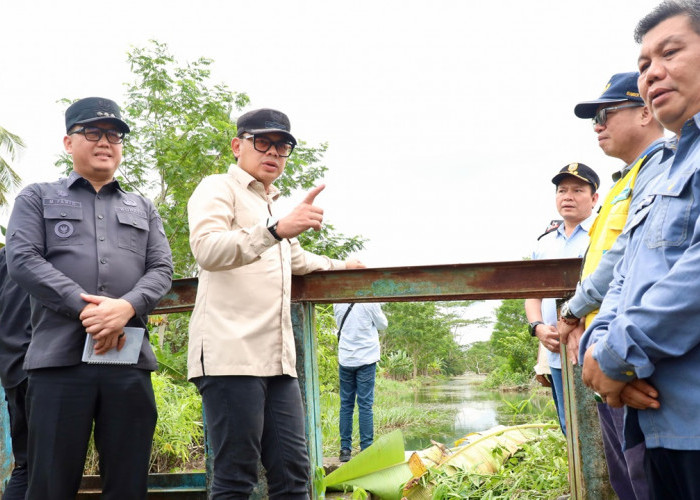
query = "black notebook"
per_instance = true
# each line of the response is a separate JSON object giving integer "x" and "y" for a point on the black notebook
{"x": 129, "y": 355}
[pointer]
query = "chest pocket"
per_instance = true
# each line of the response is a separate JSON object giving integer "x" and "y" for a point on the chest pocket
{"x": 63, "y": 225}
{"x": 669, "y": 219}
{"x": 132, "y": 231}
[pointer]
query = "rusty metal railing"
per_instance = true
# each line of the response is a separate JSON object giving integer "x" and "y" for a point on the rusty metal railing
{"x": 482, "y": 281}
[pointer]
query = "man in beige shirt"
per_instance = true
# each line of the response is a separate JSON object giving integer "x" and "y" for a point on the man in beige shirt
{"x": 241, "y": 346}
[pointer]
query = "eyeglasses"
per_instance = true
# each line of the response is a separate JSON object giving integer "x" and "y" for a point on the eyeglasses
{"x": 601, "y": 115}
{"x": 262, "y": 144}
{"x": 94, "y": 134}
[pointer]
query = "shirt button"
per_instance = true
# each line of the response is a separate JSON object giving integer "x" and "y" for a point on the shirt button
{"x": 100, "y": 216}
{"x": 103, "y": 261}
{"x": 101, "y": 238}
{"x": 102, "y": 288}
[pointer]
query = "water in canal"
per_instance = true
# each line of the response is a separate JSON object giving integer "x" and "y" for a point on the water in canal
{"x": 474, "y": 410}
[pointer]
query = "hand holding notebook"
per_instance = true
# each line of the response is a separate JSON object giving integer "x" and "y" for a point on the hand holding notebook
{"x": 128, "y": 355}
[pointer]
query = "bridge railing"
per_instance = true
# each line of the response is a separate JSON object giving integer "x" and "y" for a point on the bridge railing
{"x": 480, "y": 281}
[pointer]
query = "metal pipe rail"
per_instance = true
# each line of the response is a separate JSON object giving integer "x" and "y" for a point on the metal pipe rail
{"x": 480, "y": 281}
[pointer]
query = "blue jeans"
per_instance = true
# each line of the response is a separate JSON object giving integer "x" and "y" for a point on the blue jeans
{"x": 356, "y": 381}
{"x": 558, "y": 396}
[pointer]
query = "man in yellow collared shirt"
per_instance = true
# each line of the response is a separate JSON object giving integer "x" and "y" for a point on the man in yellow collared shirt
{"x": 625, "y": 129}
{"x": 241, "y": 347}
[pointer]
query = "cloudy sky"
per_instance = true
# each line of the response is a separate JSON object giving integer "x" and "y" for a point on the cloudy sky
{"x": 445, "y": 120}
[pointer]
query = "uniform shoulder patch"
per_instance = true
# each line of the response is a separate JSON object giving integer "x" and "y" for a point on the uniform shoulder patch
{"x": 553, "y": 226}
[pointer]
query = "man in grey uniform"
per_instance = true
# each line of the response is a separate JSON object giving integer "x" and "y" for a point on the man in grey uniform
{"x": 94, "y": 259}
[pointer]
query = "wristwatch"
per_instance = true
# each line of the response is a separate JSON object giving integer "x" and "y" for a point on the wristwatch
{"x": 533, "y": 326}
{"x": 272, "y": 227}
{"x": 566, "y": 314}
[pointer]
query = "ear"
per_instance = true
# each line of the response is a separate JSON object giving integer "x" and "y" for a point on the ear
{"x": 68, "y": 144}
{"x": 646, "y": 117}
{"x": 595, "y": 198}
{"x": 236, "y": 147}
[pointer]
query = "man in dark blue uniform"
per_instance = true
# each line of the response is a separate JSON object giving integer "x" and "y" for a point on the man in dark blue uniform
{"x": 15, "y": 332}
{"x": 94, "y": 259}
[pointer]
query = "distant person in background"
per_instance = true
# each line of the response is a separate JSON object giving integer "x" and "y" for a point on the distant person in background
{"x": 15, "y": 334}
{"x": 625, "y": 129}
{"x": 358, "y": 353}
{"x": 576, "y": 195}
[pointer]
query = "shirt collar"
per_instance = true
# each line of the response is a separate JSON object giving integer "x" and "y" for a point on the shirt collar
{"x": 74, "y": 176}
{"x": 248, "y": 181}
{"x": 584, "y": 225}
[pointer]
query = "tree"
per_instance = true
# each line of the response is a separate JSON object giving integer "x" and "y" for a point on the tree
{"x": 9, "y": 179}
{"x": 425, "y": 331}
{"x": 511, "y": 340}
{"x": 181, "y": 129}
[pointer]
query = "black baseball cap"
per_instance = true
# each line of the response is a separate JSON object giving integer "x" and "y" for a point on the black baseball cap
{"x": 261, "y": 121}
{"x": 621, "y": 87}
{"x": 580, "y": 171}
{"x": 94, "y": 109}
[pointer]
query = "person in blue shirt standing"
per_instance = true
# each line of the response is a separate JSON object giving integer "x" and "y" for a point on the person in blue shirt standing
{"x": 643, "y": 348}
{"x": 625, "y": 129}
{"x": 358, "y": 353}
{"x": 576, "y": 195}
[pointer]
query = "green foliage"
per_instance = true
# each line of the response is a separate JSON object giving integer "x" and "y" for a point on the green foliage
{"x": 177, "y": 442}
{"x": 424, "y": 330}
{"x": 537, "y": 471}
{"x": 512, "y": 343}
{"x": 394, "y": 408}
{"x": 10, "y": 144}
{"x": 181, "y": 129}
{"x": 327, "y": 353}
{"x": 480, "y": 358}
{"x": 398, "y": 364}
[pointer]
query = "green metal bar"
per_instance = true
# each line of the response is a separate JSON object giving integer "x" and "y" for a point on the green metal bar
{"x": 588, "y": 471}
{"x": 482, "y": 281}
{"x": 303, "y": 323}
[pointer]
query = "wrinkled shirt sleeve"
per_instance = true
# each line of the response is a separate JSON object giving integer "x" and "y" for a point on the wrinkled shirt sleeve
{"x": 26, "y": 262}
{"x": 642, "y": 335}
{"x": 590, "y": 292}
{"x": 378, "y": 317}
{"x": 219, "y": 241}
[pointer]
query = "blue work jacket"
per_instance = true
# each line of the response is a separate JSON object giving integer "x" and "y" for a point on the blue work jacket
{"x": 649, "y": 325}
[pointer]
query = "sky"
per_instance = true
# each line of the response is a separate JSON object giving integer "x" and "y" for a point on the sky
{"x": 445, "y": 120}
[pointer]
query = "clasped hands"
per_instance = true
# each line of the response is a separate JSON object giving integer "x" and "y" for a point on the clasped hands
{"x": 637, "y": 393}
{"x": 104, "y": 318}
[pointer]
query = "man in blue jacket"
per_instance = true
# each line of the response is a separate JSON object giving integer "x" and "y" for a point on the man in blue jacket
{"x": 644, "y": 345}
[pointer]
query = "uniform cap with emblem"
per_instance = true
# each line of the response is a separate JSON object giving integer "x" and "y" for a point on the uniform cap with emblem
{"x": 621, "y": 87}
{"x": 94, "y": 109}
{"x": 262, "y": 121}
{"x": 580, "y": 171}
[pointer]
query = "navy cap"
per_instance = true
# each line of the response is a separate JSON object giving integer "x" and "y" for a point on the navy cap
{"x": 621, "y": 87}
{"x": 580, "y": 171}
{"x": 95, "y": 109}
{"x": 262, "y": 121}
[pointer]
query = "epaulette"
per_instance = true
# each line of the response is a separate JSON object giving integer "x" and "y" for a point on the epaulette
{"x": 553, "y": 226}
